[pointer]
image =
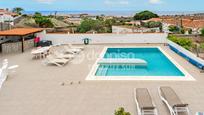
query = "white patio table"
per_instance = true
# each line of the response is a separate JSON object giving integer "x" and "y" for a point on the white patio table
{"x": 41, "y": 52}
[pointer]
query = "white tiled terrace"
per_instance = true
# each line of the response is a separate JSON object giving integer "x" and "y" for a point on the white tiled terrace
{"x": 35, "y": 89}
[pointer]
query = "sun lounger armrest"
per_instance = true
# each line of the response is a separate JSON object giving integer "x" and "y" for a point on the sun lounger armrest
{"x": 180, "y": 105}
{"x": 147, "y": 108}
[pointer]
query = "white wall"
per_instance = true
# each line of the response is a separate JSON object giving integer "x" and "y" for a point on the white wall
{"x": 6, "y": 17}
{"x": 186, "y": 52}
{"x": 105, "y": 38}
{"x": 119, "y": 29}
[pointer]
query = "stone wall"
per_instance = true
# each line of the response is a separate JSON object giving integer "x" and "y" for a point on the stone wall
{"x": 16, "y": 46}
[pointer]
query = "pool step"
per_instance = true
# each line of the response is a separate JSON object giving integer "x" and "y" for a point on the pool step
{"x": 103, "y": 70}
{"x": 122, "y": 61}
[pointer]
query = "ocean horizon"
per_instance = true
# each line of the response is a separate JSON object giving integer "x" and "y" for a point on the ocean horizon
{"x": 112, "y": 13}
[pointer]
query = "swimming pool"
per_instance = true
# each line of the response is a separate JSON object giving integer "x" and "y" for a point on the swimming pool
{"x": 160, "y": 66}
{"x": 157, "y": 63}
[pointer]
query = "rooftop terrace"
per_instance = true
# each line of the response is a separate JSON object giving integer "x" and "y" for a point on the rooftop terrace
{"x": 36, "y": 89}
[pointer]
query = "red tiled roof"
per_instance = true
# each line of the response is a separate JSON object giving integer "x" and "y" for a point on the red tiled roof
{"x": 8, "y": 12}
{"x": 189, "y": 23}
{"x": 155, "y": 19}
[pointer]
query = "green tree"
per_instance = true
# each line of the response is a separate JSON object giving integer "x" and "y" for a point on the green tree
{"x": 152, "y": 24}
{"x": 89, "y": 24}
{"x": 174, "y": 29}
{"x": 37, "y": 15}
{"x": 18, "y": 10}
{"x": 202, "y": 32}
{"x": 121, "y": 111}
{"x": 182, "y": 31}
{"x": 42, "y": 21}
{"x": 145, "y": 15}
{"x": 86, "y": 25}
{"x": 110, "y": 22}
{"x": 190, "y": 31}
{"x": 202, "y": 46}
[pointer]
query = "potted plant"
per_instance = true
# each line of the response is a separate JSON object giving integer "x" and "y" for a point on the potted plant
{"x": 121, "y": 111}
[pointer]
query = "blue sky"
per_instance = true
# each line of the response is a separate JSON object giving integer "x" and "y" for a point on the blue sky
{"x": 106, "y": 5}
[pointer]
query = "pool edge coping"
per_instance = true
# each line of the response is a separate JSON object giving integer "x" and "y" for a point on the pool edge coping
{"x": 92, "y": 77}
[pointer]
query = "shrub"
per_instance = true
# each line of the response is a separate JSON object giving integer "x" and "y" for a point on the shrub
{"x": 42, "y": 21}
{"x": 202, "y": 32}
{"x": 190, "y": 31}
{"x": 97, "y": 25}
{"x": 89, "y": 24}
{"x": 121, "y": 111}
{"x": 152, "y": 24}
{"x": 184, "y": 42}
{"x": 202, "y": 45}
{"x": 182, "y": 31}
{"x": 174, "y": 29}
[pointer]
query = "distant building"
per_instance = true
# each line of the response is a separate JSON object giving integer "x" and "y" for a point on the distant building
{"x": 7, "y": 16}
{"x": 74, "y": 20}
{"x": 128, "y": 29}
{"x": 7, "y": 12}
{"x": 133, "y": 23}
{"x": 108, "y": 17}
{"x": 77, "y": 18}
{"x": 194, "y": 24}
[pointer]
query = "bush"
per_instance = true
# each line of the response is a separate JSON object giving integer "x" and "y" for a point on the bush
{"x": 182, "y": 31}
{"x": 174, "y": 29}
{"x": 202, "y": 46}
{"x": 97, "y": 25}
{"x": 184, "y": 42}
{"x": 152, "y": 24}
{"x": 202, "y": 32}
{"x": 145, "y": 15}
{"x": 190, "y": 31}
{"x": 42, "y": 21}
{"x": 89, "y": 24}
{"x": 121, "y": 111}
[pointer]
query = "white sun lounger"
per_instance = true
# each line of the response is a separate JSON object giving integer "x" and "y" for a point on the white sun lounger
{"x": 72, "y": 51}
{"x": 59, "y": 62}
{"x": 3, "y": 73}
{"x": 5, "y": 70}
{"x": 144, "y": 103}
{"x": 173, "y": 102}
{"x": 62, "y": 56}
{"x": 75, "y": 47}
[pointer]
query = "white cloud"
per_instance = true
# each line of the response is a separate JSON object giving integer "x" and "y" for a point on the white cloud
{"x": 155, "y": 1}
{"x": 45, "y": 1}
{"x": 120, "y": 2}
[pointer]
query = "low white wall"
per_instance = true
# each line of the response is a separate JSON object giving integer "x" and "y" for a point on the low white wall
{"x": 186, "y": 52}
{"x": 105, "y": 38}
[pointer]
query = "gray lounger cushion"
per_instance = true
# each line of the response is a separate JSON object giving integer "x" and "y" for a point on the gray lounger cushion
{"x": 171, "y": 97}
{"x": 144, "y": 99}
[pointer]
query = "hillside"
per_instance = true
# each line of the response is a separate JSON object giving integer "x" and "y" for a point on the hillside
{"x": 58, "y": 23}
{"x": 29, "y": 22}
{"x": 26, "y": 22}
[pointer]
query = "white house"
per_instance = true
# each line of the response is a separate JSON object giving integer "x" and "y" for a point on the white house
{"x": 128, "y": 29}
{"x": 6, "y": 18}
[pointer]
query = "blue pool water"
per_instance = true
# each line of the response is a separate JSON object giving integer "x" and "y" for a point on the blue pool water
{"x": 158, "y": 63}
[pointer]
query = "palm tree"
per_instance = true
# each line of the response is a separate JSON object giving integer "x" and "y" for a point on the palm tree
{"x": 18, "y": 10}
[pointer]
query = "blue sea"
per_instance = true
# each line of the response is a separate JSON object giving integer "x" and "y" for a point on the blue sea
{"x": 111, "y": 13}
